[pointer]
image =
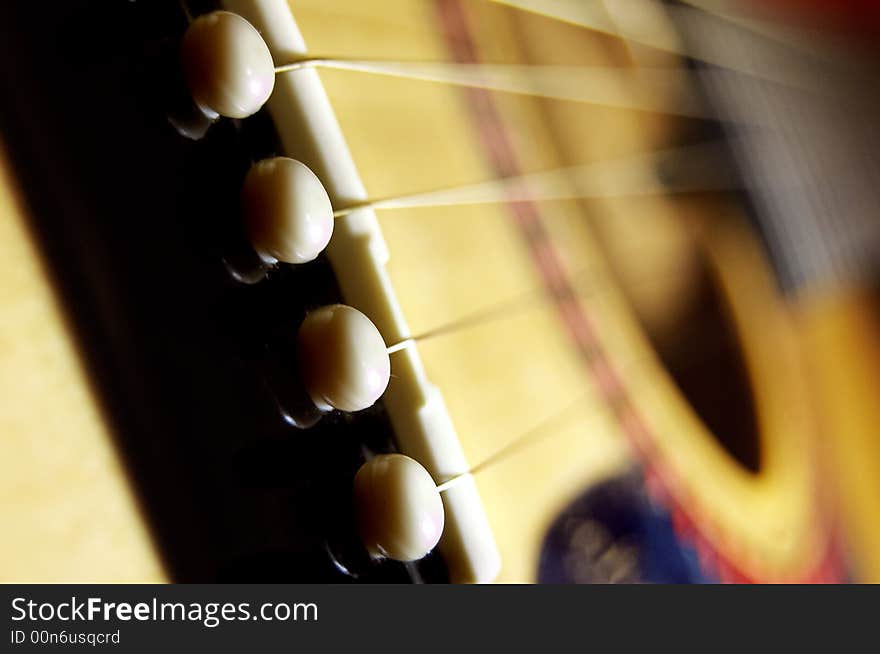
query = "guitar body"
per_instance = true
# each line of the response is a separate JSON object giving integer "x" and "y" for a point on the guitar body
{"x": 152, "y": 430}
{"x": 132, "y": 223}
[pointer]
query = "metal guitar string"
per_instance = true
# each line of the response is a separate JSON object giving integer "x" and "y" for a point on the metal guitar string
{"x": 632, "y": 176}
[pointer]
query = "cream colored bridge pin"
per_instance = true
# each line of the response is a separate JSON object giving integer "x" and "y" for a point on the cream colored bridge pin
{"x": 399, "y": 510}
{"x": 342, "y": 358}
{"x": 287, "y": 212}
{"x": 227, "y": 65}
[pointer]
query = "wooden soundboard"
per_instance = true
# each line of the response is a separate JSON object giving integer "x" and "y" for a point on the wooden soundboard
{"x": 68, "y": 511}
{"x": 65, "y": 492}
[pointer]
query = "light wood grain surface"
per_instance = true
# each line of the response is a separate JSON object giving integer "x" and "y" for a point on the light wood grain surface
{"x": 66, "y": 510}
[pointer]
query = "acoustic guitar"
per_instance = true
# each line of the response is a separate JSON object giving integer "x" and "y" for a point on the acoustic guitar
{"x": 618, "y": 254}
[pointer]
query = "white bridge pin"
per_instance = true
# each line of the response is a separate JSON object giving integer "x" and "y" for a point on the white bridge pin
{"x": 342, "y": 358}
{"x": 287, "y": 212}
{"x": 398, "y": 507}
{"x": 227, "y": 65}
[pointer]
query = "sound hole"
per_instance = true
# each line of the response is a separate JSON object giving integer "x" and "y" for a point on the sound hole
{"x": 706, "y": 363}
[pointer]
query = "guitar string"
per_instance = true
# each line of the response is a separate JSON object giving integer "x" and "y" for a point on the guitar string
{"x": 631, "y": 88}
{"x": 782, "y": 30}
{"x": 800, "y": 38}
{"x": 600, "y": 17}
{"x": 587, "y": 283}
{"x": 621, "y": 87}
{"x": 552, "y": 426}
{"x": 618, "y": 87}
{"x": 547, "y": 428}
{"x": 668, "y": 171}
